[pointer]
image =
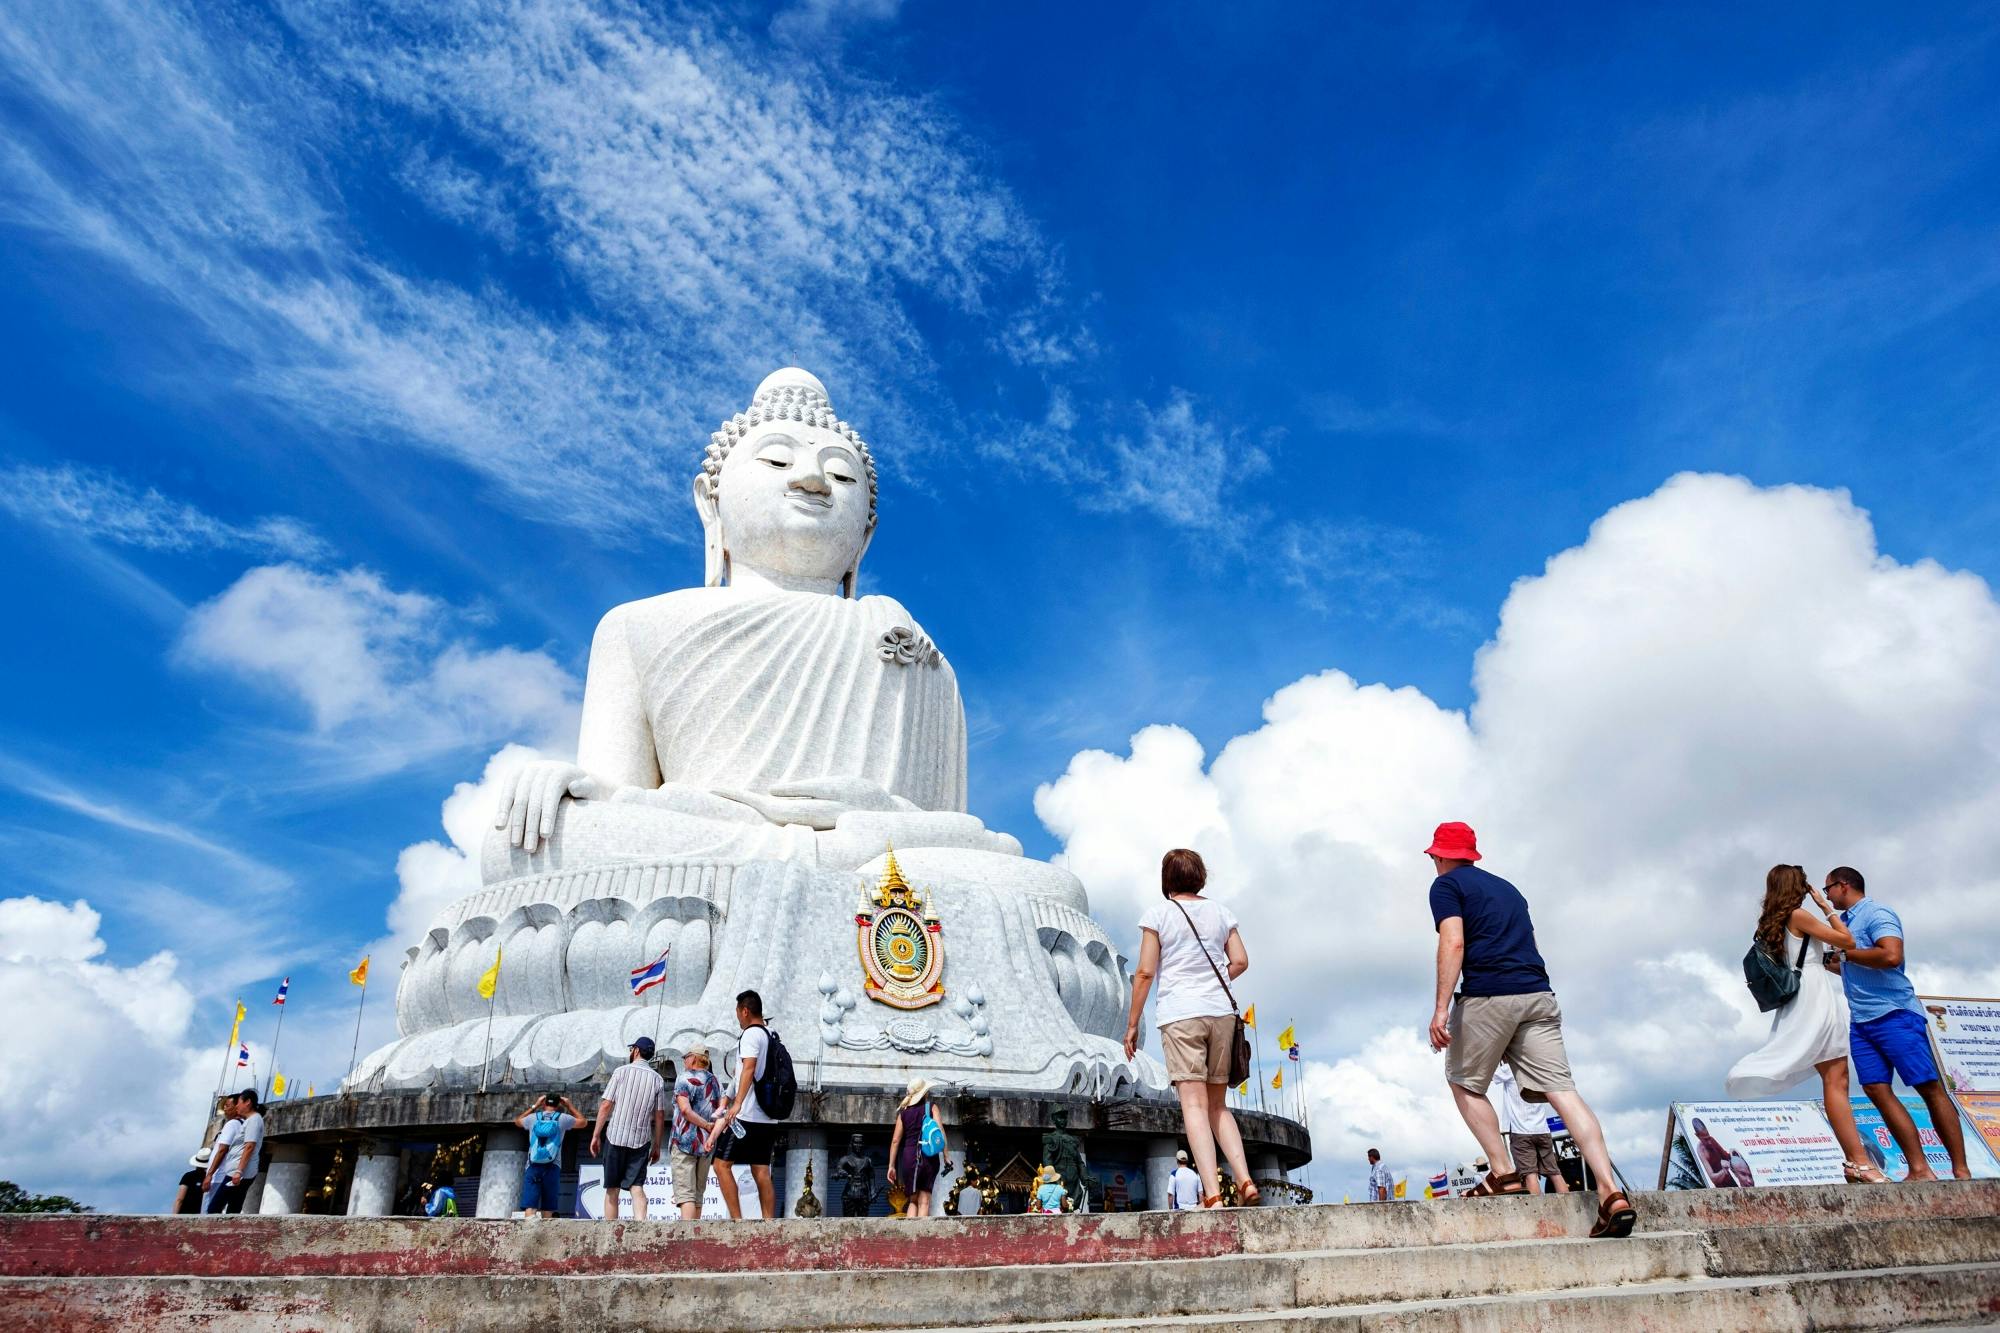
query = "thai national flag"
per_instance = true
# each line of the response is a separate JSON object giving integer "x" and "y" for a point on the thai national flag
{"x": 1293, "y": 1052}
{"x": 1440, "y": 1183}
{"x": 283, "y": 987}
{"x": 243, "y": 1056}
{"x": 651, "y": 975}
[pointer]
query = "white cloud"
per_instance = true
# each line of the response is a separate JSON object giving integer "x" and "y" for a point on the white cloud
{"x": 377, "y": 666}
{"x": 1720, "y": 678}
{"x": 811, "y": 20}
{"x": 104, "y": 1074}
{"x": 101, "y": 505}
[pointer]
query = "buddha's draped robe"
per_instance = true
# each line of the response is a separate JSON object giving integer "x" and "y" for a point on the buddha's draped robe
{"x": 754, "y": 691}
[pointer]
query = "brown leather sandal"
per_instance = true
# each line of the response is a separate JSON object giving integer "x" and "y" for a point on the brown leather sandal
{"x": 1212, "y": 1201}
{"x": 1248, "y": 1195}
{"x": 1497, "y": 1184}
{"x": 1615, "y": 1216}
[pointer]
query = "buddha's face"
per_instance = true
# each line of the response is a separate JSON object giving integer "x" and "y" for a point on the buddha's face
{"x": 793, "y": 499}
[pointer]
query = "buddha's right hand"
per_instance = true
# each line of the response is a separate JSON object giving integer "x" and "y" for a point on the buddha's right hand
{"x": 528, "y": 808}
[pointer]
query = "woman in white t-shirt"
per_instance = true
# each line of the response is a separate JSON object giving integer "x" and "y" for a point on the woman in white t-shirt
{"x": 1189, "y": 944}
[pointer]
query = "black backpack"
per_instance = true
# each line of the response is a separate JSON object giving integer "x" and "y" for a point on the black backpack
{"x": 1771, "y": 983}
{"x": 777, "y": 1087}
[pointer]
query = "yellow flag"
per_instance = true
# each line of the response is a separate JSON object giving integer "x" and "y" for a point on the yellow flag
{"x": 1243, "y": 1088}
{"x": 490, "y": 977}
{"x": 1402, "y": 1189}
{"x": 359, "y": 976}
{"x": 1345, "y": 1199}
{"x": 1250, "y": 1017}
{"x": 1428, "y": 1194}
{"x": 1288, "y": 1038}
{"x": 1278, "y": 1079}
{"x": 236, "y": 1028}
{"x": 277, "y": 1084}
{"x": 309, "y": 1090}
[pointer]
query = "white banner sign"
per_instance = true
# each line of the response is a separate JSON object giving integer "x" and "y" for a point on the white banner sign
{"x": 1966, "y": 1036}
{"x": 1760, "y": 1143}
{"x": 660, "y": 1203}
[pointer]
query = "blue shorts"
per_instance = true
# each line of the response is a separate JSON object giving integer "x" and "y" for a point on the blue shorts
{"x": 1896, "y": 1041}
{"x": 541, "y": 1190}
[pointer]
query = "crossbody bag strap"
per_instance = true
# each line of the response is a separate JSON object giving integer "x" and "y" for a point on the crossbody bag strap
{"x": 1211, "y": 958}
{"x": 1804, "y": 944}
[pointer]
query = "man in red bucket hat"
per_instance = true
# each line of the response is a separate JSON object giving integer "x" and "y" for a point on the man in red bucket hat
{"x": 1504, "y": 1009}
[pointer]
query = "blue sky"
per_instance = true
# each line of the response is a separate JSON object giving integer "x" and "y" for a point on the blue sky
{"x": 1202, "y": 351}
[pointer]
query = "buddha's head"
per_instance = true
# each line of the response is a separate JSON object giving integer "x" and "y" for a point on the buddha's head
{"x": 787, "y": 489}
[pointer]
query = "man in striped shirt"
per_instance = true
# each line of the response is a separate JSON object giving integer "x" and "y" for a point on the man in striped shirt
{"x": 631, "y": 1125}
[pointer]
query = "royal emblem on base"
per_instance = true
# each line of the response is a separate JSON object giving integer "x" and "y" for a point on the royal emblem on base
{"x": 901, "y": 942}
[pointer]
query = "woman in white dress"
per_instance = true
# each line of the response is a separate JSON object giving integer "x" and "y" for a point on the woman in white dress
{"x": 1809, "y": 1034}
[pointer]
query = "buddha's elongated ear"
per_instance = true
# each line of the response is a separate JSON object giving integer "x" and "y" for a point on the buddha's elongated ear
{"x": 853, "y": 574}
{"x": 715, "y": 551}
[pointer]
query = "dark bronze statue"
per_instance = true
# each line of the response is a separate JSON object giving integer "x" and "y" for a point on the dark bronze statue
{"x": 1062, "y": 1150}
{"x": 858, "y": 1171}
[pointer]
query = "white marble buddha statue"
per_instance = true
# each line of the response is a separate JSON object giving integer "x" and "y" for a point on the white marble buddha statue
{"x": 749, "y": 750}
{"x": 771, "y": 714}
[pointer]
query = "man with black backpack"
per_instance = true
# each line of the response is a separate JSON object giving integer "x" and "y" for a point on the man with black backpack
{"x": 747, "y": 1127}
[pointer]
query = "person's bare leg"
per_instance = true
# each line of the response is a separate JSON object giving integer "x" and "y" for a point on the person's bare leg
{"x": 611, "y": 1205}
{"x": 1944, "y": 1117}
{"x": 1561, "y": 1184}
{"x": 1228, "y": 1139}
{"x": 690, "y": 1212}
{"x": 725, "y": 1181}
{"x": 1200, "y": 1133}
{"x": 1477, "y": 1112}
{"x": 1839, "y": 1104}
{"x": 1534, "y": 1181}
{"x": 766, "y": 1196}
{"x": 922, "y": 1205}
{"x": 1589, "y": 1136}
{"x": 638, "y": 1203}
{"x": 1901, "y": 1128}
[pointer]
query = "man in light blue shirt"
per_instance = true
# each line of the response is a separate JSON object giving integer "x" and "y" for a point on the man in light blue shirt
{"x": 1887, "y": 1028}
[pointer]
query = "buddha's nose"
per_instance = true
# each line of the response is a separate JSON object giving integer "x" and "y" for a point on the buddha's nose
{"x": 811, "y": 479}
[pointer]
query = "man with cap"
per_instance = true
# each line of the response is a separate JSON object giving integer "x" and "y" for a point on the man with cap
{"x": 1183, "y": 1186}
{"x": 631, "y": 1125}
{"x": 1504, "y": 1009}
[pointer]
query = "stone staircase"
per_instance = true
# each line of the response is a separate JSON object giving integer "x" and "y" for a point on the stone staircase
{"x": 1858, "y": 1257}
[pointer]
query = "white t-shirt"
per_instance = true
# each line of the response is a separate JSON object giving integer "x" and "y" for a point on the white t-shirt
{"x": 1187, "y": 987}
{"x": 755, "y": 1044}
{"x": 1517, "y": 1114}
{"x": 1187, "y": 1187}
{"x": 227, "y": 1147}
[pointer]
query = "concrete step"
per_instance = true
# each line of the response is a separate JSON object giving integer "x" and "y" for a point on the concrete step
{"x": 1300, "y": 1284}
{"x": 357, "y": 1247}
{"x": 1941, "y": 1299}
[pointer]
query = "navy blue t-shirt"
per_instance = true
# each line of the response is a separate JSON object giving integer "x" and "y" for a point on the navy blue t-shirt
{"x": 1500, "y": 953}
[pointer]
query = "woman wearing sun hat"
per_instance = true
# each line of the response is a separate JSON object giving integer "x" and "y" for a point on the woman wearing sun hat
{"x": 909, "y": 1165}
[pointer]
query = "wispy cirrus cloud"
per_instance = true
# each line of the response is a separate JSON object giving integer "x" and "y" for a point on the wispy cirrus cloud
{"x": 717, "y": 205}
{"x": 103, "y": 506}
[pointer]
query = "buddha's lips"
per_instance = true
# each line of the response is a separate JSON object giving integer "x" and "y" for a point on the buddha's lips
{"x": 814, "y": 501}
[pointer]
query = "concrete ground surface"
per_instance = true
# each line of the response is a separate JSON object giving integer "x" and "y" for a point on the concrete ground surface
{"x": 1853, "y": 1257}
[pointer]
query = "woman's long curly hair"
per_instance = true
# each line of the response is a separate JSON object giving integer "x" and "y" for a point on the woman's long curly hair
{"x": 1785, "y": 888}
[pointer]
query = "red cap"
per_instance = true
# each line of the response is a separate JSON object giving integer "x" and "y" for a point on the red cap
{"x": 1454, "y": 842}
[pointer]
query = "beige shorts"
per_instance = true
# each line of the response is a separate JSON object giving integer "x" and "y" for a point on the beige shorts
{"x": 1523, "y": 1030}
{"x": 690, "y": 1174}
{"x": 1197, "y": 1049}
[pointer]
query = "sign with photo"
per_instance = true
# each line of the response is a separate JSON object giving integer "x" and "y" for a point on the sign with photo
{"x": 1730, "y": 1145}
{"x": 660, "y": 1204}
{"x": 1888, "y": 1158}
{"x": 1965, "y": 1036}
{"x": 1982, "y": 1114}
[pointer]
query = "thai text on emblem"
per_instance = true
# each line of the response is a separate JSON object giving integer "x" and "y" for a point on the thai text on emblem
{"x": 901, "y": 942}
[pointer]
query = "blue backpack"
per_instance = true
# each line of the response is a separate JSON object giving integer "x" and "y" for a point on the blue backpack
{"x": 930, "y": 1139}
{"x": 545, "y": 1138}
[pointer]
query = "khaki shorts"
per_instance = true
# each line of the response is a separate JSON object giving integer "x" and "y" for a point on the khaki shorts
{"x": 1197, "y": 1049}
{"x": 1523, "y": 1030}
{"x": 690, "y": 1174}
{"x": 1534, "y": 1154}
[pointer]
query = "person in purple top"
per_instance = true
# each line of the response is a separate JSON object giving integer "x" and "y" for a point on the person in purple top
{"x": 1886, "y": 1025}
{"x": 1504, "y": 1009}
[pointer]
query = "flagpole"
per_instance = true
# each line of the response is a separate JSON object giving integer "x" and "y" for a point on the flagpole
{"x": 1259, "y": 1048}
{"x": 659, "y": 1007}
{"x": 354, "y": 1056}
{"x": 222, "y": 1075}
{"x": 278, "y": 1032}
{"x": 486, "y": 1056}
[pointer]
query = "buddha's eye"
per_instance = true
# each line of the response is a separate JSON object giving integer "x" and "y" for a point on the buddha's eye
{"x": 841, "y": 468}
{"x": 775, "y": 455}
